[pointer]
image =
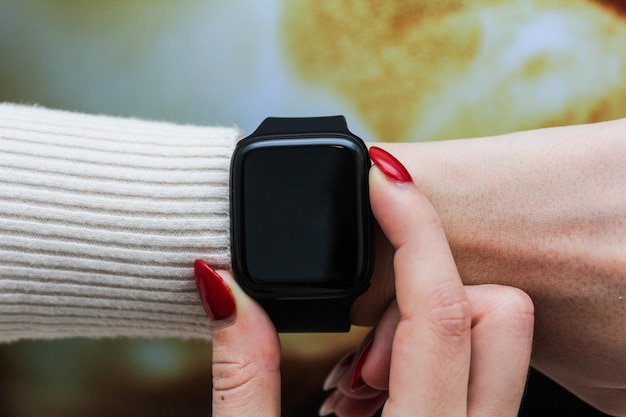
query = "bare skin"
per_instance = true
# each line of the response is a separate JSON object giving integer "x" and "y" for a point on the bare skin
{"x": 543, "y": 211}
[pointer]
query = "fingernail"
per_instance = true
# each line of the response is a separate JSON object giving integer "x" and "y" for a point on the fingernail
{"x": 356, "y": 382}
{"x": 216, "y": 297}
{"x": 338, "y": 371}
{"x": 389, "y": 165}
{"x": 330, "y": 404}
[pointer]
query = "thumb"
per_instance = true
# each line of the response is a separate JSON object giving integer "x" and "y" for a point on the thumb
{"x": 246, "y": 349}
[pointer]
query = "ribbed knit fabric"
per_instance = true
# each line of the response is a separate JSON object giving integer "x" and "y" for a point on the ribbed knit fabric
{"x": 101, "y": 219}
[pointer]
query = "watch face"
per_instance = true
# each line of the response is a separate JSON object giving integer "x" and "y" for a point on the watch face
{"x": 301, "y": 212}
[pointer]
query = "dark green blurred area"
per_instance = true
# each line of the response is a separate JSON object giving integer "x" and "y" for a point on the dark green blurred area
{"x": 130, "y": 377}
{"x": 105, "y": 377}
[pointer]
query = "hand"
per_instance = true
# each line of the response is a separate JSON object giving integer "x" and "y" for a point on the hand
{"x": 440, "y": 348}
{"x": 423, "y": 350}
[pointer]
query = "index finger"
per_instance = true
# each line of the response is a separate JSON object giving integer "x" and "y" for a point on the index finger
{"x": 431, "y": 347}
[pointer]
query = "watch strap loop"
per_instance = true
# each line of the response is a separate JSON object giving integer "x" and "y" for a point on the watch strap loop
{"x": 288, "y": 125}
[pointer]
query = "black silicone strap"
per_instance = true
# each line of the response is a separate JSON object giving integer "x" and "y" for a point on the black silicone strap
{"x": 289, "y": 125}
{"x": 317, "y": 315}
{"x": 293, "y": 316}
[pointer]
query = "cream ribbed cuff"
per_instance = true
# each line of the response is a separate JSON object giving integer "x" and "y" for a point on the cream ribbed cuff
{"x": 100, "y": 221}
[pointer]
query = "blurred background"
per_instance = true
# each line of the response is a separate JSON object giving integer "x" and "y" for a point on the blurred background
{"x": 399, "y": 70}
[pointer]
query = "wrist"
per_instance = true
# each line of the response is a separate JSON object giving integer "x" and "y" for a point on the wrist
{"x": 463, "y": 179}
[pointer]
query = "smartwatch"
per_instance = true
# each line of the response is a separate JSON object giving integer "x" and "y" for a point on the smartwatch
{"x": 301, "y": 223}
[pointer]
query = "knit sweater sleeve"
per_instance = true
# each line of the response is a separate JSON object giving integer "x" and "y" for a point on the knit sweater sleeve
{"x": 100, "y": 221}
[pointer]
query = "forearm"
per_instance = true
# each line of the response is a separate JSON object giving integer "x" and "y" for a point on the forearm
{"x": 100, "y": 221}
{"x": 544, "y": 211}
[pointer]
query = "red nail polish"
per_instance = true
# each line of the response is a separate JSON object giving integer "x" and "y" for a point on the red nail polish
{"x": 356, "y": 383}
{"x": 389, "y": 165}
{"x": 216, "y": 297}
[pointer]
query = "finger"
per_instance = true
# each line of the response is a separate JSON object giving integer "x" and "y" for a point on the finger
{"x": 364, "y": 400}
{"x": 351, "y": 384}
{"x": 343, "y": 406}
{"x": 431, "y": 347}
{"x": 375, "y": 371}
{"x": 502, "y": 331}
{"x": 246, "y": 349}
{"x": 422, "y": 255}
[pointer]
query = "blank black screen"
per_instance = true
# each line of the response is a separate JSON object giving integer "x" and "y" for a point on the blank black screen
{"x": 301, "y": 214}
